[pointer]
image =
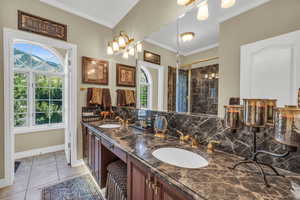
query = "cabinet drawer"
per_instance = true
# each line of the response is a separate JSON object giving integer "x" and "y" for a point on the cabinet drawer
{"x": 107, "y": 144}
{"x": 115, "y": 150}
{"x": 121, "y": 154}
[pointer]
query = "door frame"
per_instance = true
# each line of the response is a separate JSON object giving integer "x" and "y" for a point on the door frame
{"x": 9, "y": 36}
{"x": 161, "y": 82}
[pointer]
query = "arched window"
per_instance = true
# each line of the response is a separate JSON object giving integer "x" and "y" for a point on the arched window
{"x": 38, "y": 86}
{"x": 145, "y": 89}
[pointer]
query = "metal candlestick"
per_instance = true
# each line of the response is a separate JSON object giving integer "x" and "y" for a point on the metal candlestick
{"x": 257, "y": 114}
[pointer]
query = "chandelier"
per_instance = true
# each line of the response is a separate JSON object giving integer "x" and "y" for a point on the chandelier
{"x": 123, "y": 44}
{"x": 203, "y": 12}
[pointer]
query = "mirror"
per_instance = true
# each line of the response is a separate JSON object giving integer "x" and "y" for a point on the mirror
{"x": 189, "y": 67}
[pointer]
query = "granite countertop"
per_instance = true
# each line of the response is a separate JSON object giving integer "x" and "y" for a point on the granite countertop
{"x": 214, "y": 182}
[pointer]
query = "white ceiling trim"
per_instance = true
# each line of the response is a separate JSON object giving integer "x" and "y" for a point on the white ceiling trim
{"x": 201, "y": 49}
{"x": 69, "y": 9}
{"x": 161, "y": 45}
{"x": 254, "y": 4}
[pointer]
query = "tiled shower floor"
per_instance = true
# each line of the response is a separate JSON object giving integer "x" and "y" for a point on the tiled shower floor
{"x": 37, "y": 172}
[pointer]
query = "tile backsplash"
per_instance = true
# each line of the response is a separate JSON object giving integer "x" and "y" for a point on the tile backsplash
{"x": 209, "y": 127}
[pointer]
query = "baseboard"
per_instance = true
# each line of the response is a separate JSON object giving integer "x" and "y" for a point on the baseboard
{"x": 35, "y": 152}
{"x": 77, "y": 163}
{"x": 4, "y": 183}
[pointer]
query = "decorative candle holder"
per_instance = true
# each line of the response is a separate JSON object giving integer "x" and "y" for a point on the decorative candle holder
{"x": 234, "y": 117}
{"x": 271, "y": 105}
{"x": 287, "y": 126}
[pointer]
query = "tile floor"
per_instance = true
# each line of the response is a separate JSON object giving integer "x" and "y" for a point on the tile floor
{"x": 38, "y": 172}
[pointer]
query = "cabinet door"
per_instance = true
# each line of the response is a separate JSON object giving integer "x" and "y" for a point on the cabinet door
{"x": 139, "y": 181}
{"x": 165, "y": 191}
{"x": 85, "y": 145}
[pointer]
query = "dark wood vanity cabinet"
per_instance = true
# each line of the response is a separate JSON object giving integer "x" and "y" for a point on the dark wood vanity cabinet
{"x": 142, "y": 184}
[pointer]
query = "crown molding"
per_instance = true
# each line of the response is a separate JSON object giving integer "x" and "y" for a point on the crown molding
{"x": 57, "y": 4}
{"x": 201, "y": 49}
{"x": 254, "y": 4}
{"x": 161, "y": 45}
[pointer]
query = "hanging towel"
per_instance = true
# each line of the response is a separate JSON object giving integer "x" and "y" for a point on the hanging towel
{"x": 97, "y": 96}
{"x": 130, "y": 97}
{"x": 106, "y": 99}
{"x": 121, "y": 100}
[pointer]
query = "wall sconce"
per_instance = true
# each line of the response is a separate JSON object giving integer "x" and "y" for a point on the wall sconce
{"x": 227, "y": 3}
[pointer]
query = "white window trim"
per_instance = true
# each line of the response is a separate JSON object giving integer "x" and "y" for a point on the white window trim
{"x": 30, "y": 126}
{"x": 43, "y": 128}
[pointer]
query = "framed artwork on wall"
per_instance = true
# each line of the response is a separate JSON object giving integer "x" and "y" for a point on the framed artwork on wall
{"x": 151, "y": 57}
{"x": 126, "y": 75}
{"x": 31, "y": 23}
{"x": 94, "y": 71}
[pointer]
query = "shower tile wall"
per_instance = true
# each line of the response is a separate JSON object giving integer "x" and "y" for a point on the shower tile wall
{"x": 204, "y": 90}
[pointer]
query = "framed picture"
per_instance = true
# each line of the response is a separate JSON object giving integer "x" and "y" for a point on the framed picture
{"x": 94, "y": 71}
{"x": 126, "y": 75}
{"x": 42, "y": 26}
{"x": 151, "y": 57}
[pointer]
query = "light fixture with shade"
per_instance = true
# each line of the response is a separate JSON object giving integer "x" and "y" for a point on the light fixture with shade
{"x": 122, "y": 42}
{"x": 202, "y": 11}
{"x": 185, "y": 2}
{"x": 227, "y": 3}
{"x": 131, "y": 51}
{"x": 188, "y": 36}
{"x": 115, "y": 46}
{"x": 110, "y": 50}
{"x": 125, "y": 55}
{"x": 139, "y": 47}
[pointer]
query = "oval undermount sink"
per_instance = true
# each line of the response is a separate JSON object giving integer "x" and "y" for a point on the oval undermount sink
{"x": 180, "y": 158}
{"x": 110, "y": 126}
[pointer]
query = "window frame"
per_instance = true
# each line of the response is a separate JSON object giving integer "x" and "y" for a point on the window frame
{"x": 148, "y": 84}
{"x": 31, "y": 106}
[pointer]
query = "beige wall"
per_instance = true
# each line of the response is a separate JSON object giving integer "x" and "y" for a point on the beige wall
{"x": 29, "y": 141}
{"x": 148, "y": 16}
{"x": 274, "y": 18}
{"x": 210, "y": 53}
{"x": 91, "y": 39}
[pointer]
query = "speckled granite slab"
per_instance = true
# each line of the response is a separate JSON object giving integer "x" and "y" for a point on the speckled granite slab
{"x": 214, "y": 182}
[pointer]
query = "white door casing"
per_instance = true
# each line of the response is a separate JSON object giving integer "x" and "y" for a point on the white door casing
{"x": 9, "y": 36}
{"x": 270, "y": 69}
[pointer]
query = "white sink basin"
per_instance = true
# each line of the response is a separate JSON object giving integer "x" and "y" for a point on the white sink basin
{"x": 110, "y": 126}
{"x": 180, "y": 158}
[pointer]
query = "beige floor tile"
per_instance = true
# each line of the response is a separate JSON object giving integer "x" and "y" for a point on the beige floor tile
{"x": 67, "y": 172}
{"x": 17, "y": 187}
{"x": 34, "y": 194}
{"x": 44, "y": 159}
{"x": 15, "y": 196}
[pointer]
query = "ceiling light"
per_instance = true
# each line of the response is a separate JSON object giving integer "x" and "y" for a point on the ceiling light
{"x": 131, "y": 51}
{"x": 139, "y": 47}
{"x": 188, "y": 36}
{"x": 122, "y": 41}
{"x": 202, "y": 11}
{"x": 227, "y": 3}
{"x": 110, "y": 50}
{"x": 115, "y": 46}
{"x": 184, "y": 2}
{"x": 125, "y": 55}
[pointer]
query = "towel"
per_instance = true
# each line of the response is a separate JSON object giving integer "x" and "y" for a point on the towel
{"x": 97, "y": 96}
{"x": 121, "y": 101}
{"x": 106, "y": 99}
{"x": 129, "y": 97}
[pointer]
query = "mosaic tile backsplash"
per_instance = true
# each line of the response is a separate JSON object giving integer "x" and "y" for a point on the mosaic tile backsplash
{"x": 209, "y": 127}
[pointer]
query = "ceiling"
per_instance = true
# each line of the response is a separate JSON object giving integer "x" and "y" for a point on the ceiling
{"x": 105, "y": 12}
{"x": 207, "y": 32}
